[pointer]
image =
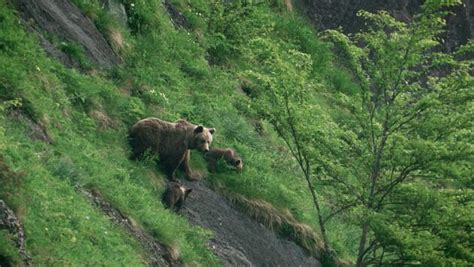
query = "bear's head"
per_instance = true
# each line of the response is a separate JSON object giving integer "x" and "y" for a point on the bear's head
{"x": 185, "y": 192}
{"x": 238, "y": 164}
{"x": 234, "y": 160}
{"x": 202, "y": 138}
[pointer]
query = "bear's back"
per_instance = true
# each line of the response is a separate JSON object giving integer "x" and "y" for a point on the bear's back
{"x": 162, "y": 136}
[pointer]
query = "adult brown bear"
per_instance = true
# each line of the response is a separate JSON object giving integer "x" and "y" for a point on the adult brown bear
{"x": 172, "y": 141}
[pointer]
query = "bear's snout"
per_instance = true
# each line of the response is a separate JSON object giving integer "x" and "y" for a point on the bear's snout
{"x": 205, "y": 147}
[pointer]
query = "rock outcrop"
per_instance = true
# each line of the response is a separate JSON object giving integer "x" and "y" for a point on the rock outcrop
{"x": 63, "y": 19}
{"x": 330, "y": 14}
{"x": 10, "y": 222}
{"x": 239, "y": 240}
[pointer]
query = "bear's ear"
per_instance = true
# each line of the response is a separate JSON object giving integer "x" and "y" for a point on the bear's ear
{"x": 212, "y": 130}
{"x": 237, "y": 162}
{"x": 198, "y": 129}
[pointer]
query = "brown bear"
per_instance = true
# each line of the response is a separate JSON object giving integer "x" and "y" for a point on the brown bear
{"x": 171, "y": 141}
{"x": 175, "y": 195}
{"x": 228, "y": 155}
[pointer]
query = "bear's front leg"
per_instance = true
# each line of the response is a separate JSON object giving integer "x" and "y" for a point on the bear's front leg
{"x": 187, "y": 169}
{"x": 212, "y": 165}
{"x": 170, "y": 164}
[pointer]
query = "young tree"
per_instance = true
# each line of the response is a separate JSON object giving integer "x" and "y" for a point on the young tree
{"x": 404, "y": 137}
{"x": 396, "y": 157}
{"x": 284, "y": 95}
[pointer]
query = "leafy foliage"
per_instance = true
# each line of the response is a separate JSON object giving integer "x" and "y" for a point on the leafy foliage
{"x": 406, "y": 132}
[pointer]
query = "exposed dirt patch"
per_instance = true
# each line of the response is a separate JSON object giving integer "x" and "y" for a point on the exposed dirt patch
{"x": 9, "y": 221}
{"x": 239, "y": 240}
{"x": 158, "y": 254}
{"x": 63, "y": 19}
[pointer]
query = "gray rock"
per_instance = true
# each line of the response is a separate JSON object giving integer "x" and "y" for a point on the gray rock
{"x": 239, "y": 240}
{"x": 117, "y": 11}
{"x": 10, "y": 222}
{"x": 63, "y": 19}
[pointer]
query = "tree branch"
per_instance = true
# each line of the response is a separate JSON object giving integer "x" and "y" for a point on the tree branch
{"x": 371, "y": 245}
{"x": 339, "y": 211}
{"x": 389, "y": 188}
{"x": 409, "y": 119}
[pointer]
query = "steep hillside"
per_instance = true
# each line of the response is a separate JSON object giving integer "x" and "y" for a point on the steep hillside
{"x": 67, "y": 106}
{"x": 77, "y": 74}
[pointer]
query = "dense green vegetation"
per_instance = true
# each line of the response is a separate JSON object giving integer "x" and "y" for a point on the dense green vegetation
{"x": 252, "y": 71}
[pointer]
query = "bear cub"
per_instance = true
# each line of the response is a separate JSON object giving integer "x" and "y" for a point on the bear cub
{"x": 228, "y": 155}
{"x": 175, "y": 195}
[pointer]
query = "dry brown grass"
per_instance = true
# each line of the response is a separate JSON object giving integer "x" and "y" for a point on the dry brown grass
{"x": 289, "y": 5}
{"x": 173, "y": 253}
{"x": 103, "y": 121}
{"x": 116, "y": 40}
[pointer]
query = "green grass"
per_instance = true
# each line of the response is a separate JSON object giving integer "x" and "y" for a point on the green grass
{"x": 53, "y": 213}
{"x": 8, "y": 251}
{"x": 165, "y": 74}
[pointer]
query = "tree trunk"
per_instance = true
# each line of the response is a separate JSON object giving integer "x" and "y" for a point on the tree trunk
{"x": 320, "y": 218}
{"x": 375, "y": 172}
{"x": 363, "y": 240}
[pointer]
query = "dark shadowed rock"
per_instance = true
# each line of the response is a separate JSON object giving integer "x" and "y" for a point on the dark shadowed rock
{"x": 239, "y": 240}
{"x": 10, "y": 222}
{"x": 63, "y": 19}
{"x": 330, "y": 14}
{"x": 177, "y": 18}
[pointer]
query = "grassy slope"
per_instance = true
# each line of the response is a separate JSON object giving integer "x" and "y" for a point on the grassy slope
{"x": 165, "y": 75}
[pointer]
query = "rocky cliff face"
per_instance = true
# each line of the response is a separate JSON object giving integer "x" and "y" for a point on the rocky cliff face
{"x": 330, "y": 14}
{"x": 65, "y": 21}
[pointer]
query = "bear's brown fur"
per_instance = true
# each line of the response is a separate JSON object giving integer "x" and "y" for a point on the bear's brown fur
{"x": 172, "y": 142}
{"x": 228, "y": 155}
{"x": 175, "y": 195}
